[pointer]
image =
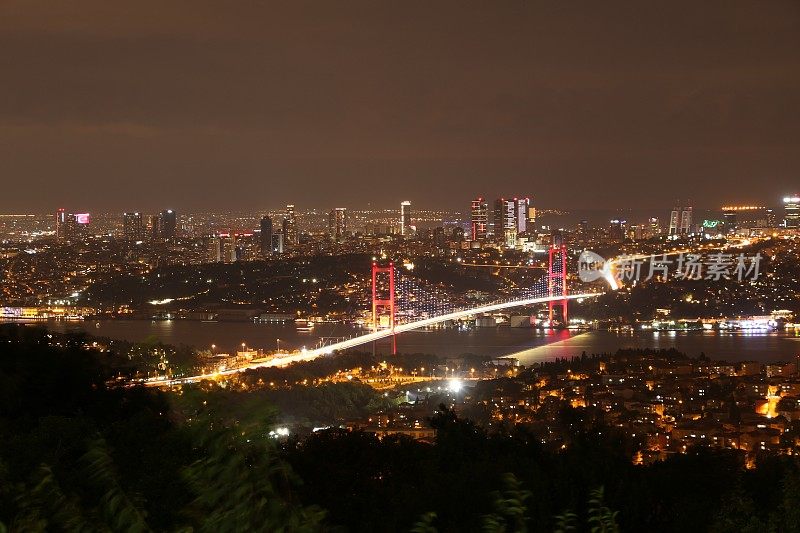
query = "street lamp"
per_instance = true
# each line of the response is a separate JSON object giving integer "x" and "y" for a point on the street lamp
{"x": 279, "y": 344}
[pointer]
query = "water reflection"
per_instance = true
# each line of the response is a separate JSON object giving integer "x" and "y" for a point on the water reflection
{"x": 528, "y": 345}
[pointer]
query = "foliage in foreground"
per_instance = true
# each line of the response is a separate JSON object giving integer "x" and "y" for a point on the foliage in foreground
{"x": 75, "y": 455}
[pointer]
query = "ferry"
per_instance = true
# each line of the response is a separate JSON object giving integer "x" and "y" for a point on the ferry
{"x": 303, "y": 325}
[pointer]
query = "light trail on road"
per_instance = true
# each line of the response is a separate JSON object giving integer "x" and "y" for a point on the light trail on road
{"x": 281, "y": 360}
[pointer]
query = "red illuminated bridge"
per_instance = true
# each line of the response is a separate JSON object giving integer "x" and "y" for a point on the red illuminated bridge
{"x": 401, "y": 304}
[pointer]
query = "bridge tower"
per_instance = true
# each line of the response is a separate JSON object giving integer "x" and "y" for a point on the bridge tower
{"x": 381, "y": 304}
{"x": 557, "y": 278}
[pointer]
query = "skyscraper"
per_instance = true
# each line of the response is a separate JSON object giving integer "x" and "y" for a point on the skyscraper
{"x": 531, "y": 219}
{"x": 290, "y": 226}
{"x": 480, "y": 219}
{"x": 508, "y": 219}
{"x": 680, "y": 221}
{"x": 791, "y": 206}
{"x": 70, "y": 226}
{"x": 729, "y": 218}
{"x": 169, "y": 224}
{"x": 405, "y": 218}
{"x": 266, "y": 236}
{"x": 617, "y": 230}
{"x": 686, "y": 221}
{"x": 770, "y": 218}
{"x": 505, "y": 221}
{"x": 674, "y": 221}
{"x": 654, "y": 227}
{"x": 512, "y": 217}
{"x": 132, "y": 227}
{"x": 277, "y": 243}
{"x": 337, "y": 224}
{"x": 583, "y": 230}
{"x": 521, "y": 214}
{"x": 154, "y": 226}
{"x": 61, "y": 224}
{"x": 439, "y": 238}
{"x": 78, "y": 225}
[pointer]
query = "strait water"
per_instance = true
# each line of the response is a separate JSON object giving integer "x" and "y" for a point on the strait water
{"x": 528, "y": 345}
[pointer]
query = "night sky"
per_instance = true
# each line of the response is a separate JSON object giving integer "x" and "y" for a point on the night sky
{"x": 250, "y": 105}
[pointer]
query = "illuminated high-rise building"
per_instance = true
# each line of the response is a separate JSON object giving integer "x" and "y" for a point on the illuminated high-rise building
{"x": 266, "y": 236}
{"x": 222, "y": 248}
{"x": 617, "y": 230}
{"x": 168, "y": 224}
{"x": 791, "y": 207}
{"x": 770, "y": 218}
{"x": 737, "y": 217}
{"x": 405, "y": 218}
{"x": 277, "y": 243}
{"x": 290, "y": 226}
{"x": 583, "y": 230}
{"x": 510, "y": 218}
{"x": 654, "y": 227}
{"x": 521, "y": 214}
{"x": 71, "y": 226}
{"x": 505, "y": 221}
{"x": 154, "y": 226}
{"x": 480, "y": 219}
{"x": 680, "y": 221}
{"x": 497, "y": 223}
{"x": 337, "y": 224}
{"x": 531, "y": 219}
{"x": 686, "y": 221}
{"x": 674, "y": 221}
{"x": 61, "y": 224}
{"x": 133, "y": 227}
{"x": 729, "y": 218}
{"x": 510, "y": 223}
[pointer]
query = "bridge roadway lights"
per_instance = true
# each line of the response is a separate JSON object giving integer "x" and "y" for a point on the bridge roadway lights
{"x": 310, "y": 355}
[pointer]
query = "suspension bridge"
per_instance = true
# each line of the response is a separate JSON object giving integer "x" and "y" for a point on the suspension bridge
{"x": 402, "y": 303}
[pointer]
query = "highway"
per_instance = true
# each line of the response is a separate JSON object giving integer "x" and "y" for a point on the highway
{"x": 280, "y": 360}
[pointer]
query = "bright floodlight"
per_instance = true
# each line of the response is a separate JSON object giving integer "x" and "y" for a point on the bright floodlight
{"x": 455, "y": 385}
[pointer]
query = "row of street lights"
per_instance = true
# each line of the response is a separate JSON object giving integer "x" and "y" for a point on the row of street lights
{"x": 244, "y": 346}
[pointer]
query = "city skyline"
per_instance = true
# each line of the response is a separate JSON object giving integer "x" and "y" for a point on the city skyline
{"x": 775, "y": 202}
{"x": 104, "y": 110}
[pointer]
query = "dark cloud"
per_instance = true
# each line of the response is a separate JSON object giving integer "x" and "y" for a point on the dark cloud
{"x": 110, "y": 105}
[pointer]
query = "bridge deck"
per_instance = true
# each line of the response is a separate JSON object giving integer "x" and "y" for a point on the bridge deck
{"x": 281, "y": 360}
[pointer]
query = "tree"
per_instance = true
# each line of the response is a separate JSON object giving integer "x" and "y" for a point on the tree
{"x": 237, "y": 485}
{"x": 509, "y": 508}
{"x": 423, "y": 525}
{"x": 601, "y": 518}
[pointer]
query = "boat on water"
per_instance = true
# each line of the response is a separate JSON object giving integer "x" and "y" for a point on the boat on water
{"x": 303, "y": 325}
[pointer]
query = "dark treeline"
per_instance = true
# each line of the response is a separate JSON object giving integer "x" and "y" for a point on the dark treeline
{"x": 75, "y": 455}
